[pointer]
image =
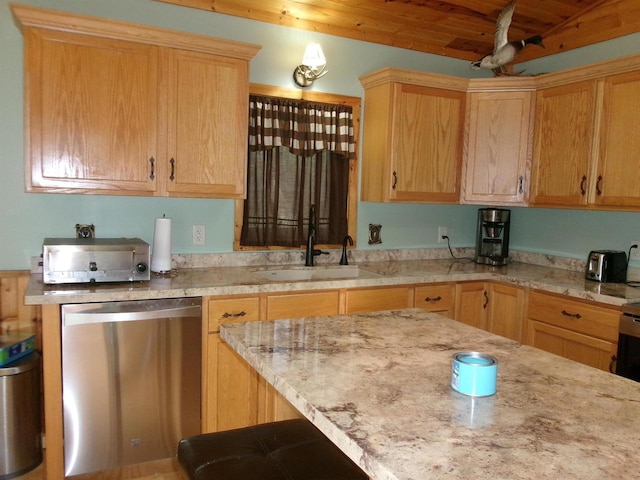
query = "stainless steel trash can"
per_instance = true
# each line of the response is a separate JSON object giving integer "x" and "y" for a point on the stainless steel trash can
{"x": 20, "y": 416}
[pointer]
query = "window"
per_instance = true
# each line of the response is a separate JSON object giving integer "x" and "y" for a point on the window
{"x": 301, "y": 167}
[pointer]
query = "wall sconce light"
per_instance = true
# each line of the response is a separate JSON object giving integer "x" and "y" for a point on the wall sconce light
{"x": 313, "y": 66}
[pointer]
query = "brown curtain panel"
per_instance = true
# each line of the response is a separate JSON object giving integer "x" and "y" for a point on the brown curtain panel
{"x": 298, "y": 156}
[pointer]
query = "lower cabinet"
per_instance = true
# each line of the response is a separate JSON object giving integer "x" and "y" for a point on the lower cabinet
{"x": 230, "y": 388}
{"x": 362, "y": 300}
{"x": 506, "y": 310}
{"x": 236, "y": 396}
{"x": 495, "y": 307}
{"x": 272, "y": 406}
{"x": 471, "y": 304}
{"x": 436, "y": 298}
{"x": 579, "y": 330}
{"x": 300, "y": 305}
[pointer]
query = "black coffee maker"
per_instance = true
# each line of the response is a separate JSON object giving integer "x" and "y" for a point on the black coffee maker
{"x": 492, "y": 240}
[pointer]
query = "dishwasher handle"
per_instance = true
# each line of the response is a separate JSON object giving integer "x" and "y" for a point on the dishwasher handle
{"x": 89, "y": 313}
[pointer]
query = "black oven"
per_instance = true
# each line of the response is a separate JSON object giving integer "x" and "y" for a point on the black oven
{"x": 628, "y": 358}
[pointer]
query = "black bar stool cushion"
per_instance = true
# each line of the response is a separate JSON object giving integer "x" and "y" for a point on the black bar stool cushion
{"x": 284, "y": 450}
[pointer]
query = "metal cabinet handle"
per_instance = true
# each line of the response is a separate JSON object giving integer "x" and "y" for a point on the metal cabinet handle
{"x": 395, "y": 180}
{"x": 520, "y": 188}
{"x": 173, "y": 169}
{"x": 234, "y": 315}
{"x": 152, "y": 175}
{"x": 574, "y": 315}
{"x": 434, "y": 299}
{"x": 582, "y": 185}
{"x": 598, "y": 185}
{"x": 613, "y": 364}
{"x": 486, "y": 299}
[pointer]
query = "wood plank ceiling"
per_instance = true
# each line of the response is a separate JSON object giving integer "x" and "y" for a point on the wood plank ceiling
{"x": 462, "y": 29}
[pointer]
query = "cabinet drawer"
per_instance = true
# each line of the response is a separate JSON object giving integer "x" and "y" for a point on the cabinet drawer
{"x": 435, "y": 298}
{"x": 575, "y": 316}
{"x": 375, "y": 299}
{"x": 299, "y": 305}
{"x": 574, "y": 346}
{"x": 225, "y": 310}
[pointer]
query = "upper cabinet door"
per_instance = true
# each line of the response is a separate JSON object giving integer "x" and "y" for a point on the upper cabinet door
{"x": 563, "y": 147}
{"x": 618, "y": 173}
{"x": 413, "y": 129}
{"x": 207, "y": 104}
{"x": 427, "y": 139}
{"x": 117, "y": 108}
{"x": 91, "y": 114}
{"x": 497, "y": 154}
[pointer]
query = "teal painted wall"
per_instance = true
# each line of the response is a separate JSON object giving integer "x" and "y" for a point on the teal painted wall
{"x": 25, "y": 219}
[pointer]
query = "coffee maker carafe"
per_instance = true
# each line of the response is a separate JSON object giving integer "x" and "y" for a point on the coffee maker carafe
{"x": 492, "y": 242}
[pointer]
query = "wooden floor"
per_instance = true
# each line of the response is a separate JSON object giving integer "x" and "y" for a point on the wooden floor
{"x": 159, "y": 470}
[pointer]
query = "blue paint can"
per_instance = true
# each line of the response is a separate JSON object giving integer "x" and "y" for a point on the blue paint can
{"x": 474, "y": 374}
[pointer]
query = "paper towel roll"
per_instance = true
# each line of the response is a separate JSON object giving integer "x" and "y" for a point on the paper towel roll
{"x": 161, "y": 251}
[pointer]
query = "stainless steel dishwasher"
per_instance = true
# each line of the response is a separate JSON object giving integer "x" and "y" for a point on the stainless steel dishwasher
{"x": 131, "y": 376}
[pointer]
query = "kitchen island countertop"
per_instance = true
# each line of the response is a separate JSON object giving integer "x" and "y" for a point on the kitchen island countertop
{"x": 378, "y": 385}
{"x": 225, "y": 280}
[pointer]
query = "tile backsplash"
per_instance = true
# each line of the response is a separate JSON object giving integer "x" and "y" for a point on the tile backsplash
{"x": 296, "y": 257}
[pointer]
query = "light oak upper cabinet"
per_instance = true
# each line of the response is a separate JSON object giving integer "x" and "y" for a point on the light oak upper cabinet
{"x": 91, "y": 114}
{"x": 498, "y": 141}
{"x": 586, "y": 137}
{"x": 123, "y": 109}
{"x": 207, "y": 99}
{"x": 563, "y": 145}
{"x": 618, "y": 174}
{"x": 413, "y": 126}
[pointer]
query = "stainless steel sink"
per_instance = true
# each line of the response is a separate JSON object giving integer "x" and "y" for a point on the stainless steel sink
{"x": 296, "y": 274}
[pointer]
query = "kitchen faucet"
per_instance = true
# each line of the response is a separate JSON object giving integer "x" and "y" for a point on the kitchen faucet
{"x": 311, "y": 251}
{"x": 343, "y": 259}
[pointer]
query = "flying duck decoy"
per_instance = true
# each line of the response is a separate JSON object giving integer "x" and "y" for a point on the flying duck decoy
{"x": 504, "y": 51}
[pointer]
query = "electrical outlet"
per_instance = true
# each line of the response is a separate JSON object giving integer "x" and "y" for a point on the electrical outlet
{"x": 199, "y": 233}
{"x": 634, "y": 253}
{"x": 442, "y": 232}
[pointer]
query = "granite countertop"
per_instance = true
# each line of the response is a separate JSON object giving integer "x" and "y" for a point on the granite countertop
{"x": 230, "y": 280}
{"x": 378, "y": 385}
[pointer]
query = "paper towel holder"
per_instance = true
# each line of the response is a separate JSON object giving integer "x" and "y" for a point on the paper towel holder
{"x": 161, "y": 251}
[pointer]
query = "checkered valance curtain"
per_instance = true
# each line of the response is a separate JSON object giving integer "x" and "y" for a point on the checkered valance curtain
{"x": 298, "y": 156}
{"x": 305, "y": 128}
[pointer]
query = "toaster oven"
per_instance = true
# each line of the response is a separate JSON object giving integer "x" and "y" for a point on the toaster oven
{"x": 93, "y": 260}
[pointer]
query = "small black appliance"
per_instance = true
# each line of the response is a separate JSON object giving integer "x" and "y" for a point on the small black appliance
{"x": 492, "y": 242}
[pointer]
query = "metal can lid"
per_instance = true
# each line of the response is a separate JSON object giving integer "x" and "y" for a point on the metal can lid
{"x": 475, "y": 359}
